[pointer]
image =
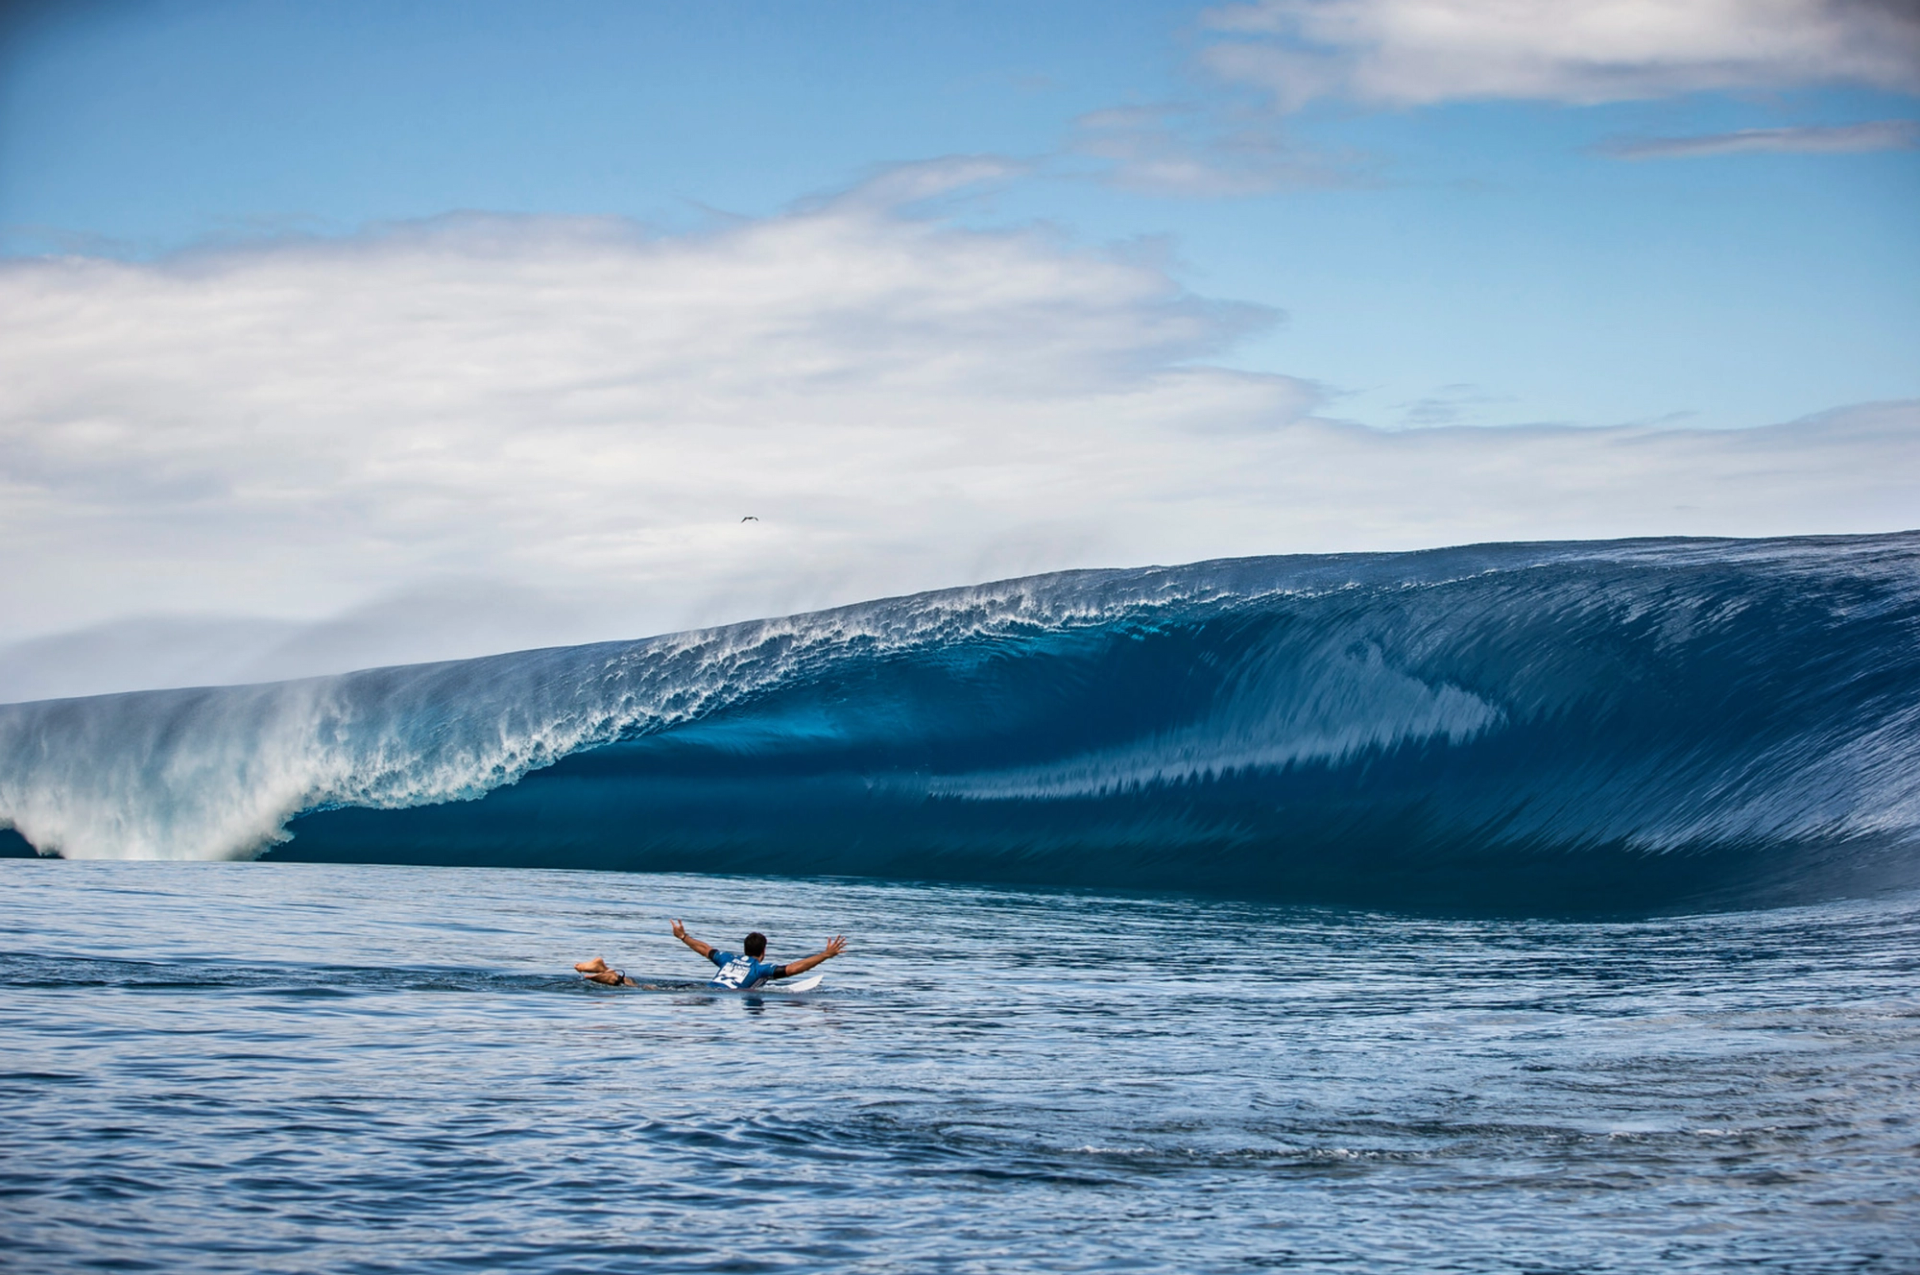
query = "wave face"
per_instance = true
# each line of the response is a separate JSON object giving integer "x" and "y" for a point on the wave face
{"x": 1593, "y": 726}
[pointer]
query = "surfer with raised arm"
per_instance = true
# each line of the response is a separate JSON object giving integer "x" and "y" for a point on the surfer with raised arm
{"x": 741, "y": 972}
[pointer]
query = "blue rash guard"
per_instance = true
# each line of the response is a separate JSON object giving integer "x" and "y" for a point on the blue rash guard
{"x": 742, "y": 973}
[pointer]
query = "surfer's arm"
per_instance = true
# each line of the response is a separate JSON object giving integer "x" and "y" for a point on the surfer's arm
{"x": 834, "y": 947}
{"x": 680, "y": 932}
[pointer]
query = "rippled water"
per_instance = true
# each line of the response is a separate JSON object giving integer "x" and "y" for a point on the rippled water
{"x": 245, "y": 1067}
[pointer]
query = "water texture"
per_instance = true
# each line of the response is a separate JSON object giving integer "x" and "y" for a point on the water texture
{"x": 348, "y": 1068}
{"x": 1536, "y": 729}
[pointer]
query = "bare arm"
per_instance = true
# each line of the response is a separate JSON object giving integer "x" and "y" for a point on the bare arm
{"x": 680, "y": 932}
{"x": 835, "y": 945}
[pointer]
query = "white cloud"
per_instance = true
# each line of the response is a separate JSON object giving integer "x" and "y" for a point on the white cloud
{"x": 492, "y": 432}
{"x": 573, "y": 405}
{"x": 1876, "y": 135}
{"x": 1418, "y": 52}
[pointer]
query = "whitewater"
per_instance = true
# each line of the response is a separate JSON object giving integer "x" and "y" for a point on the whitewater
{"x": 1629, "y": 724}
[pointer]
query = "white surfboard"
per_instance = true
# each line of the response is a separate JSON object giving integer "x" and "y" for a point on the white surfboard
{"x": 806, "y": 984}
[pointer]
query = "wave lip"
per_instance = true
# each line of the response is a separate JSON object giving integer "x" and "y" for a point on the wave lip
{"x": 216, "y": 772}
{"x": 1696, "y": 716}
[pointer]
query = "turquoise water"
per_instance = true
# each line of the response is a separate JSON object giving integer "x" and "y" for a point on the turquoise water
{"x": 289, "y": 1067}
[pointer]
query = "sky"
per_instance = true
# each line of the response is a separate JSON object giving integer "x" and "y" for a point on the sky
{"x": 334, "y": 335}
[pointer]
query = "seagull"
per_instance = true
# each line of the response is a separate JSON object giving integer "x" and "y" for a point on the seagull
{"x": 749, "y": 518}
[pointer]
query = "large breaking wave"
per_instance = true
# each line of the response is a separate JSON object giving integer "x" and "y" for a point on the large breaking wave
{"x": 1618, "y": 725}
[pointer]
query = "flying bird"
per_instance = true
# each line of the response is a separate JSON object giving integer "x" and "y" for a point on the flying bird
{"x": 749, "y": 518}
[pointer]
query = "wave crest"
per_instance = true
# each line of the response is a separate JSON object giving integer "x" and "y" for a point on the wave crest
{"x": 1279, "y": 725}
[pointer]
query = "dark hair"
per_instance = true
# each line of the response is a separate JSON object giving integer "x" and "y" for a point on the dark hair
{"x": 755, "y": 944}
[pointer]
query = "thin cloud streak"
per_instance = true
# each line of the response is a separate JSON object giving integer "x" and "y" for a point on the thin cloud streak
{"x": 1191, "y": 152}
{"x": 1841, "y": 139}
{"x": 1401, "y": 53}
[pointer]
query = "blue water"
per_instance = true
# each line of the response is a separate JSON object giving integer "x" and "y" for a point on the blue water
{"x": 1533, "y": 729}
{"x": 357, "y": 1068}
{"x": 1507, "y": 908}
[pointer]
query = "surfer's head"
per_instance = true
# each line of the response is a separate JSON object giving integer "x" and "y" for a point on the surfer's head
{"x": 755, "y": 944}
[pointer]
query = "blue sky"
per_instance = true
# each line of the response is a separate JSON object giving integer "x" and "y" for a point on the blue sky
{"x": 1472, "y": 260}
{"x": 1687, "y": 215}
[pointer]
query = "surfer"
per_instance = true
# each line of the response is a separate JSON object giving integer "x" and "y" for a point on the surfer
{"x": 738, "y": 972}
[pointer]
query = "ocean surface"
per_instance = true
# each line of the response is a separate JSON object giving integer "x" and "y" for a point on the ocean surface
{"x": 359, "y": 1068}
{"x": 1544, "y": 908}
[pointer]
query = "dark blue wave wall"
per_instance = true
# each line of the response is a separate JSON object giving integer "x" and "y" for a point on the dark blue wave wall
{"x": 1552, "y": 728}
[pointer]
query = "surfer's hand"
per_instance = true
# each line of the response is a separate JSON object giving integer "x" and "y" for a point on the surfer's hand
{"x": 680, "y": 932}
{"x": 835, "y": 945}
